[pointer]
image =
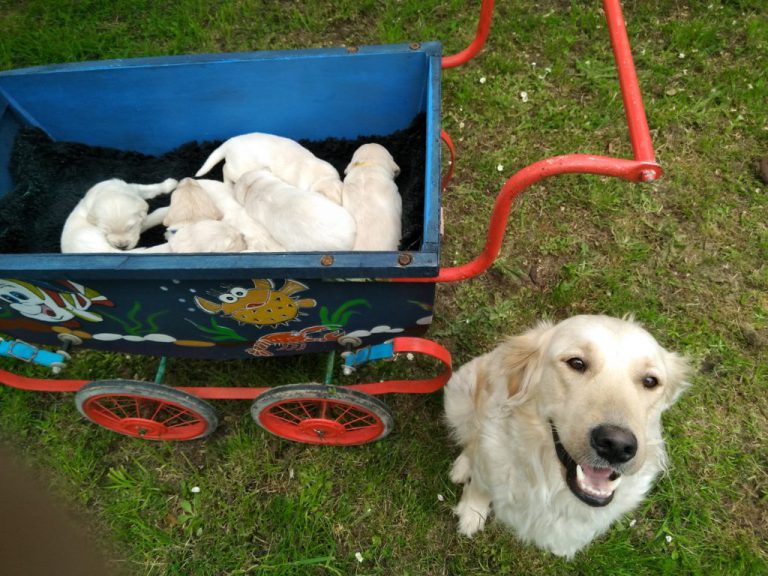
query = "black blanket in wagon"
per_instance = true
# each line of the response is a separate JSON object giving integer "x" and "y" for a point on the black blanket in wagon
{"x": 50, "y": 178}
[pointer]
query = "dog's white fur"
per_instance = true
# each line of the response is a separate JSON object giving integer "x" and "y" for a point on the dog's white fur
{"x": 190, "y": 202}
{"x": 285, "y": 158}
{"x": 370, "y": 195}
{"x": 112, "y": 215}
{"x": 299, "y": 220}
{"x": 201, "y": 236}
{"x": 222, "y": 197}
{"x": 500, "y": 405}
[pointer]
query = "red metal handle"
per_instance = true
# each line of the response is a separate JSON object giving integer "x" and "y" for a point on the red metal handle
{"x": 452, "y": 150}
{"x": 568, "y": 164}
{"x": 642, "y": 169}
{"x": 483, "y": 27}
{"x": 639, "y": 134}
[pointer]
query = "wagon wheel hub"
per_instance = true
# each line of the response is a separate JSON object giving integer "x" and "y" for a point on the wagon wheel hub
{"x": 321, "y": 427}
{"x": 143, "y": 427}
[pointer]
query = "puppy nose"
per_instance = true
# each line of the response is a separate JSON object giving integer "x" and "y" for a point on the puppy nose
{"x": 614, "y": 443}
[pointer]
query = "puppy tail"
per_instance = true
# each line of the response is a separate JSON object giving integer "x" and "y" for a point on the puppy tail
{"x": 215, "y": 157}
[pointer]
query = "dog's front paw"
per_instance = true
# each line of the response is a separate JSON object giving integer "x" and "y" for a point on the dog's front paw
{"x": 471, "y": 520}
{"x": 169, "y": 185}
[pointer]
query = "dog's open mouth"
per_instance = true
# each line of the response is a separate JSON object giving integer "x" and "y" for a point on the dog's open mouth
{"x": 592, "y": 485}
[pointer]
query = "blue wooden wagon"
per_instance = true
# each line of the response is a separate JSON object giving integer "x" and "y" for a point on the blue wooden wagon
{"x": 365, "y": 305}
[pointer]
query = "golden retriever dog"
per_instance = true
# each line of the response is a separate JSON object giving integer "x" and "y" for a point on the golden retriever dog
{"x": 285, "y": 158}
{"x": 297, "y": 219}
{"x": 200, "y": 200}
{"x": 190, "y": 202}
{"x": 560, "y": 428}
{"x": 112, "y": 215}
{"x": 371, "y": 196}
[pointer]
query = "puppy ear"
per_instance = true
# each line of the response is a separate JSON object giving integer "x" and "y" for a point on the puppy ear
{"x": 520, "y": 357}
{"x": 678, "y": 371}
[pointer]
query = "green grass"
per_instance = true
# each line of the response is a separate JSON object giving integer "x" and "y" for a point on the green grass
{"x": 687, "y": 255}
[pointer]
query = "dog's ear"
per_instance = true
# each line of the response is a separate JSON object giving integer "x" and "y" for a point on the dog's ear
{"x": 520, "y": 356}
{"x": 395, "y": 168}
{"x": 678, "y": 371}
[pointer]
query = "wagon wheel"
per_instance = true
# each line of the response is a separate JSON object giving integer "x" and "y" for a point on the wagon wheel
{"x": 146, "y": 410}
{"x": 317, "y": 414}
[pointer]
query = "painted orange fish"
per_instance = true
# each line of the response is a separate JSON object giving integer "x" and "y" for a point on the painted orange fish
{"x": 261, "y": 305}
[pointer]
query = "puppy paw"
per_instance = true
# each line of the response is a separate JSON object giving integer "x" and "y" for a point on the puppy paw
{"x": 460, "y": 472}
{"x": 169, "y": 185}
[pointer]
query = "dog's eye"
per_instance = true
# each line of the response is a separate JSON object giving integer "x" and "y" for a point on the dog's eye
{"x": 650, "y": 382}
{"x": 577, "y": 364}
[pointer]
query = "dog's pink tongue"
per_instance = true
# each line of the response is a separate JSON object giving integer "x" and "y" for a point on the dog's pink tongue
{"x": 596, "y": 473}
{"x": 597, "y": 477}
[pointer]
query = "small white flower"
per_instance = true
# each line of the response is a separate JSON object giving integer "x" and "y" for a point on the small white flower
{"x": 681, "y": 55}
{"x": 195, "y": 489}
{"x": 524, "y": 96}
{"x": 500, "y": 168}
{"x": 461, "y": 125}
{"x": 410, "y": 356}
{"x": 668, "y": 538}
{"x": 441, "y": 498}
{"x": 482, "y": 80}
{"x": 358, "y": 557}
{"x": 632, "y": 523}
{"x": 290, "y": 474}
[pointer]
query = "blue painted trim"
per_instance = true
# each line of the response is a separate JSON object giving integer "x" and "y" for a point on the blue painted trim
{"x": 359, "y": 357}
{"x": 28, "y": 353}
{"x": 223, "y": 266}
{"x": 430, "y": 48}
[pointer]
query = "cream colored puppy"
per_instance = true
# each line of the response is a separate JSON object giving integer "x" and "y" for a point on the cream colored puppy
{"x": 285, "y": 158}
{"x": 370, "y": 195}
{"x": 560, "y": 429}
{"x": 201, "y": 236}
{"x": 190, "y": 202}
{"x": 222, "y": 195}
{"x": 299, "y": 220}
{"x": 112, "y": 215}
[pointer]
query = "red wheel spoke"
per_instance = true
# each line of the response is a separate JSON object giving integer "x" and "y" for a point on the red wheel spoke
{"x": 364, "y": 417}
{"x": 304, "y": 407}
{"x": 347, "y": 410}
{"x": 182, "y": 412}
{"x": 294, "y": 418}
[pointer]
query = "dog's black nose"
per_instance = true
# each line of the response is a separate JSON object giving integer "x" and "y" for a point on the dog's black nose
{"x": 614, "y": 443}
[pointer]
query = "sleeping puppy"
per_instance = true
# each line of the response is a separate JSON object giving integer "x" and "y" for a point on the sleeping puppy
{"x": 222, "y": 197}
{"x": 190, "y": 203}
{"x": 285, "y": 158}
{"x": 560, "y": 429}
{"x": 370, "y": 195}
{"x": 112, "y": 215}
{"x": 299, "y": 220}
{"x": 202, "y": 236}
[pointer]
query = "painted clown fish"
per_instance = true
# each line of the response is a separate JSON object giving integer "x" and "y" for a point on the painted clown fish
{"x": 261, "y": 305}
{"x": 52, "y": 304}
